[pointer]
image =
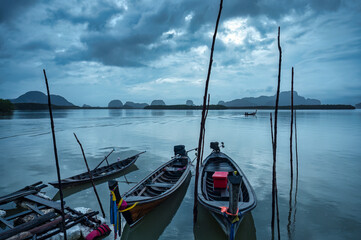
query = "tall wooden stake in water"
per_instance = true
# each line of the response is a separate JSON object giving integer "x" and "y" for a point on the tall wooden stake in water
{"x": 274, "y": 175}
{"x": 90, "y": 175}
{"x": 289, "y": 225}
{"x": 56, "y": 157}
{"x": 291, "y": 155}
{"x": 203, "y": 119}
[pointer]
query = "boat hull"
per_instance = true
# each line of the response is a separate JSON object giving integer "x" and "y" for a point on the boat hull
{"x": 139, "y": 194}
{"x": 98, "y": 174}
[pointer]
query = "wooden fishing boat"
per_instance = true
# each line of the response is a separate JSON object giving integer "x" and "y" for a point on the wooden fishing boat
{"x": 154, "y": 188}
{"x": 226, "y": 197}
{"x": 98, "y": 173}
{"x": 250, "y": 114}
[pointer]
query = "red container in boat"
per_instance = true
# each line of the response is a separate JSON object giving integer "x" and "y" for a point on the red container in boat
{"x": 220, "y": 179}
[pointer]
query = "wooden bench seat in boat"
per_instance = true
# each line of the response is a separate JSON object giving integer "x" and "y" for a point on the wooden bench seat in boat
{"x": 161, "y": 185}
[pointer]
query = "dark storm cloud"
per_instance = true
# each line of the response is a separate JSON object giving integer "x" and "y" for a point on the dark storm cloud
{"x": 140, "y": 36}
{"x": 10, "y": 9}
{"x": 96, "y": 21}
{"x": 36, "y": 45}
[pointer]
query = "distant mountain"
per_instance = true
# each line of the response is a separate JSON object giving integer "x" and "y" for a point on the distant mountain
{"x": 157, "y": 103}
{"x": 115, "y": 104}
{"x": 135, "y": 105}
{"x": 86, "y": 106}
{"x": 189, "y": 103}
{"x": 358, "y": 105}
{"x": 41, "y": 98}
{"x": 285, "y": 100}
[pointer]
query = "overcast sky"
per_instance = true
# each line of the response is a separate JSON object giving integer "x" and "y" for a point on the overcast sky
{"x": 97, "y": 51}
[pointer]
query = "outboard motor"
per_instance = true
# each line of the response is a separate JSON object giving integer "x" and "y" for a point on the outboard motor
{"x": 215, "y": 146}
{"x": 180, "y": 150}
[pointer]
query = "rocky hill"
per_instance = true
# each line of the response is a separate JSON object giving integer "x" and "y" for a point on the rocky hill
{"x": 115, "y": 104}
{"x": 285, "y": 100}
{"x": 157, "y": 103}
{"x": 41, "y": 98}
{"x": 130, "y": 105}
{"x": 189, "y": 103}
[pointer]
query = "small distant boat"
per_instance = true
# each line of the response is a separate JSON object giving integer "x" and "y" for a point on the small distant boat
{"x": 221, "y": 184}
{"x": 97, "y": 173}
{"x": 250, "y": 114}
{"x": 154, "y": 188}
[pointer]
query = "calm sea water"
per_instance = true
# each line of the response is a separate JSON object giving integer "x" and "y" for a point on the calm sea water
{"x": 328, "y": 201}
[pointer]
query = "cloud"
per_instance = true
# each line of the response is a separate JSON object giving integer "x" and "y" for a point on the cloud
{"x": 10, "y": 9}
{"x": 139, "y": 47}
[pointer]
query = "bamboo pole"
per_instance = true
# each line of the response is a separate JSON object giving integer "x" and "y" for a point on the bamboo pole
{"x": 291, "y": 155}
{"x": 274, "y": 174}
{"x": 289, "y": 231}
{"x": 90, "y": 175}
{"x": 56, "y": 158}
{"x": 203, "y": 119}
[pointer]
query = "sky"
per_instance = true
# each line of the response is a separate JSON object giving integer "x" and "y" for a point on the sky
{"x": 141, "y": 50}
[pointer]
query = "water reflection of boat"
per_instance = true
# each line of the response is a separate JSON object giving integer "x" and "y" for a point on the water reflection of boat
{"x": 155, "y": 188}
{"x": 250, "y": 114}
{"x": 208, "y": 228}
{"x": 153, "y": 224}
{"x": 98, "y": 173}
{"x": 229, "y": 198}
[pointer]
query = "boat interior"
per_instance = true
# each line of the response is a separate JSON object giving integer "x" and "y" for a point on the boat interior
{"x": 220, "y": 194}
{"x": 163, "y": 179}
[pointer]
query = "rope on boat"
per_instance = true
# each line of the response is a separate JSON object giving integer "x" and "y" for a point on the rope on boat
{"x": 237, "y": 216}
{"x": 115, "y": 210}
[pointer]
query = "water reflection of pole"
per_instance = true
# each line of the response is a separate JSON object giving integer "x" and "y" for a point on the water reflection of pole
{"x": 56, "y": 158}
{"x": 204, "y": 115}
{"x": 291, "y": 166}
{"x": 296, "y": 191}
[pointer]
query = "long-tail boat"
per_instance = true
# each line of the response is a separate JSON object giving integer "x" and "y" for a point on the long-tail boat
{"x": 153, "y": 189}
{"x": 224, "y": 190}
{"x": 250, "y": 114}
{"x": 98, "y": 173}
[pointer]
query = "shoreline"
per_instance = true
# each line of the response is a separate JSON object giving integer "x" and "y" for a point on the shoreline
{"x": 36, "y": 106}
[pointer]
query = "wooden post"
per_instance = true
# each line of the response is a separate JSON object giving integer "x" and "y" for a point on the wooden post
{"x": 203, "y": 119}
{"x": 234, "y": 187}
{"x": 274, "y": 174}
{"x": 56, "y": 158}
{"x": 105, "y": 159}
{"x": 113, "y": 186}
{"x": 90, "y": 175}
{"x": 289, "y": 225}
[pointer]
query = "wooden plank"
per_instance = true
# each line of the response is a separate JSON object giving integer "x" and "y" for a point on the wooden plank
{"x": 21, "y": 214}
{"x": 161, "y": 185}
{"x": 13, "y": 196}
{"x": 153, "y": 180}
{"x": 26, "y": 226}
{"x": 22, "y": 192}
{"x": 7, "y": 223}
{"x": 42, "y": 201}
{"x": 35, "y": 209}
